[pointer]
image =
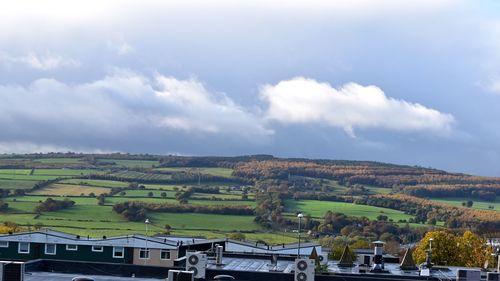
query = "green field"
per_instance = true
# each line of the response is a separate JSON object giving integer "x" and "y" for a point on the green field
{"x": 88, "y": 218}
{"x": 14, "y": 172}
{"x": 219, "y": 196}
{"x": 221, "y": 172}
{"x": 59, "y": 160}
{"x": 170, "y": 200}
{"x": 378, "y": 190}
{"x": 478, "y": 204}
{"x": 317, "y": 209}
{"x": 205, "y": 221}
{"x": 70, "y": 190}
{"x": 39, "y": 198}
{"x": 131, "y": 163}
{"x": 16, "y": 184}
{"x": 29, "y": 177}
{"x": 101, "y": 183}
{"x": 65, "y": 172}
{"x": 138, "y": 176}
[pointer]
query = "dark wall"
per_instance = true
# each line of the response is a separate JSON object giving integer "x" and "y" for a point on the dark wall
{"x": 84, "y": 253}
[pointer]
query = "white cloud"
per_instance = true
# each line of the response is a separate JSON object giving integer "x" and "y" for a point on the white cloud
{"x": 121, "y": 48}
{"x": 40, "y": 62}
{"x": 123, "y": 108}
{"x": 30, "y": 147}
{"x": 352, "y": 106}
{"x": 494, "y": 86}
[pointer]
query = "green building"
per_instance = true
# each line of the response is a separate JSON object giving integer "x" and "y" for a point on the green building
{"x": 47, "y": 244}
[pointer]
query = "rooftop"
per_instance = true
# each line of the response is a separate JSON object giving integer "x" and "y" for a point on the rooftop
{"x": 44, "y": 276}
{"x": 56, "y": 237}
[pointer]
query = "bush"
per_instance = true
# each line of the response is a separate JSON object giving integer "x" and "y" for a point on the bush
{"x": 53, "y": 205}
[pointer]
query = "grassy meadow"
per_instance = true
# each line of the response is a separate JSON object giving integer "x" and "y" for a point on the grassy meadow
{"x": 478, "y": 204}
{"x": 317, "y": 209}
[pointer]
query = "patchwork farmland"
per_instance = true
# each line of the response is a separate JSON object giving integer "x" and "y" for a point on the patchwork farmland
{"x": 188, "y": 196}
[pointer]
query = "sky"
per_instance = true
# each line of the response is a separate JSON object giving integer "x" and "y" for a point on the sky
{"x": 413, "y": 82}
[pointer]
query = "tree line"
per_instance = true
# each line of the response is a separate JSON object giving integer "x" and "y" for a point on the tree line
{"x": 424, "y": 210}
{"x": 50, "y": 205}
{"x": 136, "y": 210}
{"x": 486, "y": 192}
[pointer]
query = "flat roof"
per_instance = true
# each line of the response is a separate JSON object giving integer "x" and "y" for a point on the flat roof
{"x": 287, "y": 266}
{"x": 55, "y": 237}
{"x": 44, "y": 276}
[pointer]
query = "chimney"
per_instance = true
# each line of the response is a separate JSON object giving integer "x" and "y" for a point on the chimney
{"x": 218, "y": 255}
{"x": 378, "y": 258}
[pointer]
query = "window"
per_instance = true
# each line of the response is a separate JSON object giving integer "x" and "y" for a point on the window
{"x": 24, "y": 248}
{"x": 97, "y": 249}
{"x": 50, "y": 249}
{"x": 4, "y": 244}
{"x": 165, "y": 254}
{"x": 144, "y": 253}
{"x": 118, "y": 252}
{"x": 71, "y": 247}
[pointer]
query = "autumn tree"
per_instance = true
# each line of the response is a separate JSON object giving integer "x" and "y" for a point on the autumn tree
{"x": 467, "y": 250}
{"x": 444, "y": 248}
{"x": 473, "y": 250}
{"x": 236, "y": 236}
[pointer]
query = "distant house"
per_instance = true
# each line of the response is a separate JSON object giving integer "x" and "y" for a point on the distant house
{"x": 132, "y": 249}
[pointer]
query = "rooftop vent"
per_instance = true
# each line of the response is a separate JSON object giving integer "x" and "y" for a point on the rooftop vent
{"x": 408, "y": 263}
{"x": 346, "y": 260}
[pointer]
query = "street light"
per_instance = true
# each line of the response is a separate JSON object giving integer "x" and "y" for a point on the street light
{"x": 146, "y": 222}
{"x": 430, "y": 244}
{"x": 300, "y": 216}
{"x": 496, "y": 254}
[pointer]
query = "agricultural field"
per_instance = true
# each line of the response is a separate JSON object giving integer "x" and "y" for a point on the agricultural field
{"x": 218, "y": 196}
{"x": 70, "y": 190}
{"x": 75, "y": 179}
{"x": 79, "y": 200}
{"x": 130, "y": 163}
{"x": 138, "y": 176}
{"x": 317, "y": 209}
{"x": 59, "y": 160}
{"x": 29, "y": 177}
{"x": 15, "y": 172}
{"x": 16, "y": 184}
{"x": 478, "y": 204}
{"x": 101, "y": 183}
{"x": 88, "y": 218}
{"x": 378, "y": 190}
{"x": 66, "y": 172}
{"x": 220, "y": 172}
{"x": 205, "y": 221}
{"x": 171, "y": 200}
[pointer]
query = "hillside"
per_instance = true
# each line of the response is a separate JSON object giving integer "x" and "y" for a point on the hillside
{"x": 260, "y": 195}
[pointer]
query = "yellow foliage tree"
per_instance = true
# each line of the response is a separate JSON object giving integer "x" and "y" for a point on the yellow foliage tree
{"x": 10, "y": 227}
{"x": 473, "y": 250}
{"x": 444, "y": 248}
{"x": 449, "y": 249}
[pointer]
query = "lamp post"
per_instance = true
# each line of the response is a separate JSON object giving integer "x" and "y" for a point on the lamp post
{"x": 146, "y": 222}
{"x": 300, "y": 216}
{"x": 496, "y": 254}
